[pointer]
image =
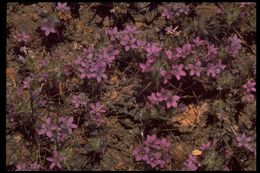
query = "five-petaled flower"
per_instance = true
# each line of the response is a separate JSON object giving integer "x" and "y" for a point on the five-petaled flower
{"x": 141, "y": 152}
{"x": 177, "y": 71}
{"x": 195, "y": 69}
{"x": 47, "y": 128}
{"x": 243, "y": 140}
{"x": 62, "y": 6}
{"x": 22, "y": 37}
{"x": 55, "y": 159}
{"x": 249, "y": 86}
{"x": 48, "y": 28}
{"x": 67, "y": 123}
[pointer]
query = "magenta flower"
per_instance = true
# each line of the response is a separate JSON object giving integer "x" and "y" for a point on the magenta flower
{"x": 177, "y": 71}
{"x": 21, "y": 167}
{"x": 22, "y": 37}
{"x": 167, "y": 75}
{"x": 67, "y": 123}
{"x": 212, "y": 50}
{"x": 247, "y": 98}
{"x": 184, "y": 9}
{"x": 98, "y": 71}
{"x": 213, "y": 70}
{"x": 79, "y": 100}
{"x": 34, "y": 166}
{"x": 191, "y": 164}
{"x": 198, "y": 42}
{"x": 27, "y": 82}
{"x": 47, "y": 28}
{"x": 167, "y": 11}
{"x": 153, "y": 99}
{"x": 109, "y": 54}
{"x": 55, "y": 159}
{"x": 97, "y": 108}
{"x": 243, "y": 140}
{"x": 150, "y": 139}
{"x": 195, "y": 69}
{"x": 234, "y": 45}
{"x": 172, "y": 101}
{"x": 140, "y": 153}
{"x": 206, "y": 146}
{"x": 62, "y": 6}
{"x": 249, "y": 86}
{"x": 153, "y": 49}
{"x": 154, "y": 159}
{"x": 113, "y": 33}
{"x": 47, "y": 128}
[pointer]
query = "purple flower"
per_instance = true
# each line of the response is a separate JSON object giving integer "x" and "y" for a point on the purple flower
{"x": 153, "y": 99}
{"x": 79, "y": 100}
{"x": 98, "y": 71}
{"x": 153, "y": 49}
{"x": 198, "y": 42}
{"x": 21, "y": 167}
{"x": 47, "y": 28}
{"x": 34, "y": 166}
{"x": 47, "y": 128}
{"x": 97, "y": 108}
{"x": 191, "y": 164}
{"x": 212, "y": 50}
{"x": 172, "y": 101}
{"x": 62, "y": 6}
{"x": 163, "y": 143}
{"x": 167, "y": 12}
{"x": 184, "y": 9}
{"x": 95, "y": 113}
{"x": 113, "y": 33}
{"x": 167, "y": 75}
{"x": 67, "y": 123}
{"x": 140, "y": 153}
{"x": 249, "y": 86}
{"x": 248, "y": 98}
{"x": 150, "y": 140}
{"x": 27, "y": 82}
{"x": 154, "y": 159}
{"x": 109, "y": 54}
{"x": 22, "y": 37}
{"x": 177, "y": 71}
{"x": 55, "y": 159}
{"x": 195, "y": 69}
{"x": 206, "y": 146}
{"x": 234, "y": 45}
{"x": 213, "y": 70}
{"x": 243, "y": 140}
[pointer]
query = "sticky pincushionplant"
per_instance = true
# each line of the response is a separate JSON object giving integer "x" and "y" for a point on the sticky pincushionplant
{"x": 154, "y": 152}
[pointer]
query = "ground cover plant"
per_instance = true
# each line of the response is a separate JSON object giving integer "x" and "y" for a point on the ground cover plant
{"x": 131, "y": 86}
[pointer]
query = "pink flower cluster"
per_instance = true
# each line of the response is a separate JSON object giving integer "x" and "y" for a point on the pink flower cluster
{"x": 191, "y": 164}
{"x": 164, "y": 96}
{"x": 234, "y": 45}
{"x": 28, "y": 167}
{"x": 95, "y": 114}
{"x": 175, "y": 8}
{"x": 248, "y": 87}
{"x": 64, "y": 125}
{"x": 94, "y": 62}
{"x": 154, "y": 152}
{"x": 128, "y": 38}
{"x": 55, "y": 159}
